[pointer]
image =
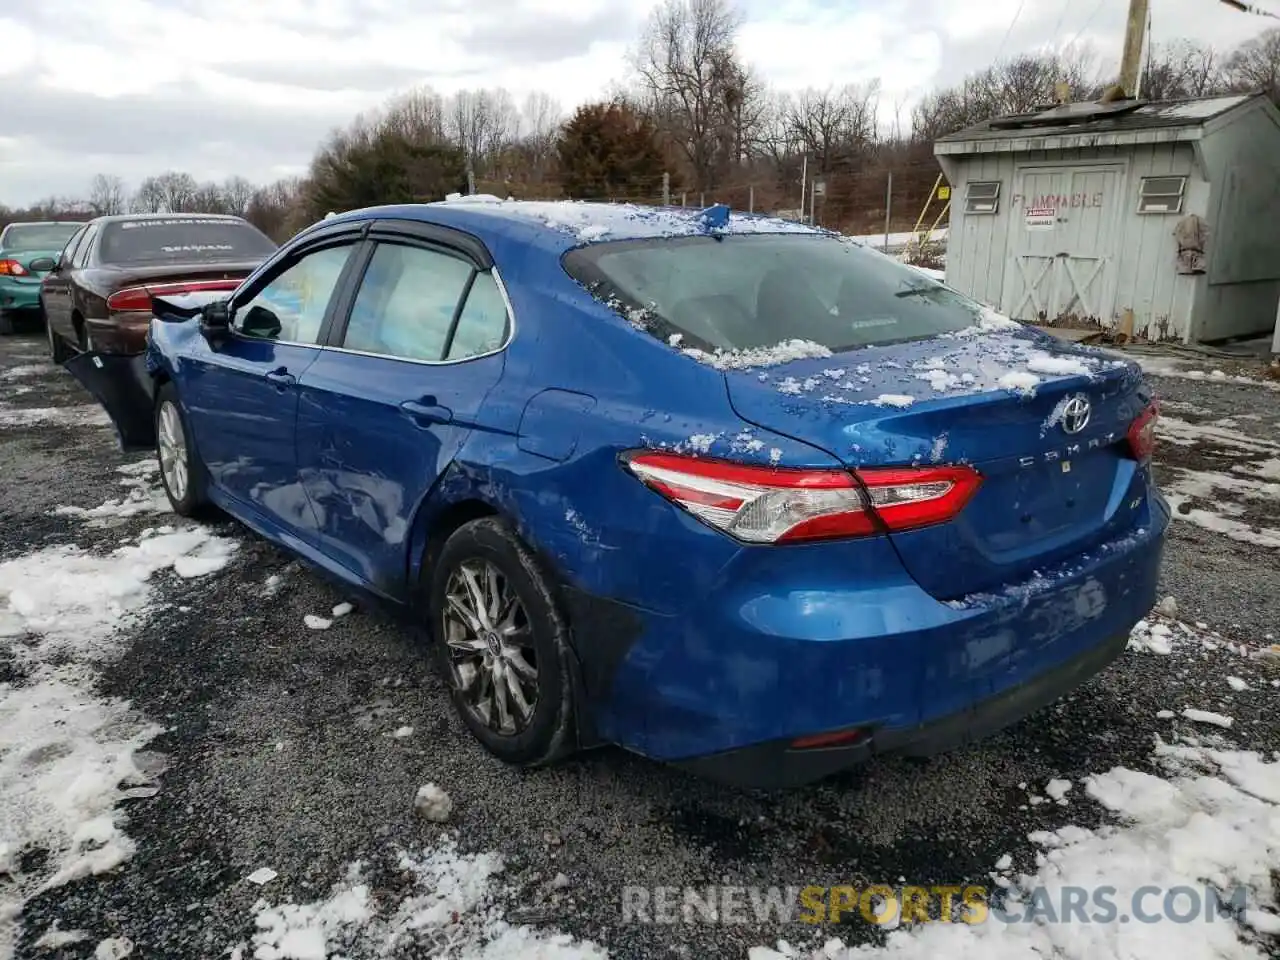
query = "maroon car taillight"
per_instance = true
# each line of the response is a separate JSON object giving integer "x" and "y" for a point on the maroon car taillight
{"x": 138, "y": 299}
{"x": 12, "y": 268}
{"x": 1142, "y": 433}
{"x": 760, "y": 504}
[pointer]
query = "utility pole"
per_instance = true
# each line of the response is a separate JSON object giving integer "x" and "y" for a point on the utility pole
{"x": 804, "y": 181}
{"x": 1135, "y": 33}
{"x": 666, "y": 189}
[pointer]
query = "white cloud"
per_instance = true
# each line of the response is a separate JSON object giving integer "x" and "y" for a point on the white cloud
{"x": 238, "y": 86}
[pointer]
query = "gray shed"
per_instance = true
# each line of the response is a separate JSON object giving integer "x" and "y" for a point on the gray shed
{"x": 1159, "y": 219}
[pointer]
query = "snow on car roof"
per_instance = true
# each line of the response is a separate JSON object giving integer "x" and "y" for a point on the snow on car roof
{"x": 588, "y": 222}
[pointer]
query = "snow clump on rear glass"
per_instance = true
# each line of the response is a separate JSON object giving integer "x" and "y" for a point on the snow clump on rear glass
{"x": 780, "y": 353}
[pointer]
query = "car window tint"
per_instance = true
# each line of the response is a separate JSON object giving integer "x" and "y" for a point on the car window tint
{"x": 482, "y": 325}
{"x": 184, "y": 240}
{"x": 406, "y": 303}
{"x": 86, "y": 245}
{"x": 292, "y": 306}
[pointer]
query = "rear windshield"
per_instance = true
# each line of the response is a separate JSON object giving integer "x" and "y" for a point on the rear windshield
{"x": 38, "y": 236}
{"x": 187, "y": 240}
{"x": 739, "y": 292}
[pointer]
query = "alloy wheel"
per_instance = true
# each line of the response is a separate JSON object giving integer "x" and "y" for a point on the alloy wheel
{"x": 172, "y": 444}
{"x": 489, "y": 641}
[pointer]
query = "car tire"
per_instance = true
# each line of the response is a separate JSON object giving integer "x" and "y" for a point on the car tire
{"x": 181, "y": 471}
{"x": 7, "y": 326}
{"x": 59, "y": 352}
{"x": 522, "y": 621}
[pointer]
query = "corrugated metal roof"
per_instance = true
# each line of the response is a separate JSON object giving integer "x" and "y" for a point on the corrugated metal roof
{"x": 1077, "y": 119}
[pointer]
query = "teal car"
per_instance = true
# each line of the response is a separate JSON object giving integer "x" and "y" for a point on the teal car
{"x": 20, "y": 245}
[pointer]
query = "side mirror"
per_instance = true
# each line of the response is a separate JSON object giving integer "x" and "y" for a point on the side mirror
{"x": 43, "y": 265}
{"x": 215, "y": 319}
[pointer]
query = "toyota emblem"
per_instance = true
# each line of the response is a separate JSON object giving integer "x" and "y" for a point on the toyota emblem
{"x": 1076, "y": 413}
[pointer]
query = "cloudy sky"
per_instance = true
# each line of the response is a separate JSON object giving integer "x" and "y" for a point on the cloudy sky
{"x": 217, "y": 87}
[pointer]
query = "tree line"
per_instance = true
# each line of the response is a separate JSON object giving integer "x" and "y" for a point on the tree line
{"x": 693, "y": 120}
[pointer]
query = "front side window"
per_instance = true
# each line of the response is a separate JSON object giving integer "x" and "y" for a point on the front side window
{"x": 740, "y": 292}
{"x": 407, "y": 302}
{"x": 291, "y": 307}
{"x": 69, "y": 251}
{"x": 86, "y": 246}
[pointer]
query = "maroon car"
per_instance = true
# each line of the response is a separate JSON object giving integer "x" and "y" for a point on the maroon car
{"x": 97, "y": 295}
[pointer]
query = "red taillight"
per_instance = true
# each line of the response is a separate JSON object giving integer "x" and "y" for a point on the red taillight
{"x": 783, "y": 505}
{"x": 12, "y": 268}
{"x": 138, "y": 299}
{"x": 1142, "y": 433}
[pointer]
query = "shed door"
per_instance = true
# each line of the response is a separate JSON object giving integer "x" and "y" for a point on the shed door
{"x": 1061, "y": 253}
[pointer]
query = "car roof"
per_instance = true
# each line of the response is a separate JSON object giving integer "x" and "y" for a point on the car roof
{"x": 45, "y": 223}
{"x": 558, "y": 225}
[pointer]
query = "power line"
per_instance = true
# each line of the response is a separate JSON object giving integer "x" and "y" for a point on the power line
{"x": 1057, "y": 27}
{"x": 1250, "y": 8}
{"x": 1088, "y": 23}
{"x": 1012, "y": 23}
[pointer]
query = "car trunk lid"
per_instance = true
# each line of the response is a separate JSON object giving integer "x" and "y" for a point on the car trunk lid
{"x": 1045, "y": 425}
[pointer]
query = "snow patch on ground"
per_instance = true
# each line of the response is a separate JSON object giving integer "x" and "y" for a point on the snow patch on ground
{"x": 81, "y": 415}
{"x": 1181, "y": 369}
{"x": 449, "y": 912}
{"x": 68, "y": 757}
{"x": 1210, "y": 821}
{"x": 143, "y": 495}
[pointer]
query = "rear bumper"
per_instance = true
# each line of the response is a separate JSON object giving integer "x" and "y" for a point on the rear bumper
{"x": 16, "y": 297}
{"x": 124, "y": 333}
{"x": 776, "y": 766}
{"x": 794, "y": 644}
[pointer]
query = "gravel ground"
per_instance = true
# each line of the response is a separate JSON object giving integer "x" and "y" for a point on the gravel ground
{"x": 278, "y": 750}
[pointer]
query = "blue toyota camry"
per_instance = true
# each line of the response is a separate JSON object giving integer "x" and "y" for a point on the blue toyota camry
{"x": 731, "y": 492}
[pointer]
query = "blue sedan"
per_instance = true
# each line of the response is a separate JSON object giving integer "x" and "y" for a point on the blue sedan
{"x": 731, "y": 492}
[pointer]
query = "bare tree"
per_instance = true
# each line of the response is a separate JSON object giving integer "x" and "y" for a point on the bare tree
{"x": 150, "y": 197}
{"x": 482, "y": 122}
{"x": 1184, "y": 68}
{"x": 1019, "y": 85}
{"x": 418, "y": 116}
{"x": 834, "y": 124}
{"x": 176, "y": 191}
{"x": 1255, "y": 65}
{"x": 107, "y": 195}
{"x": 690, "y": 74}
{"x": 206, "y": 198}
{"x": 236, "y": 194}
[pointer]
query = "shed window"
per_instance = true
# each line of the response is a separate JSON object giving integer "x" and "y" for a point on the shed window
{"x": 1161, "y": 194}
{"x": 982, "y": 196}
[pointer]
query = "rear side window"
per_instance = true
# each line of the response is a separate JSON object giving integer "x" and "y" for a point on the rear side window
{"x": 482, "y": 325}
{"x": 185, "y": 240}
{"x": 740, "y": 292}
{"x": 407, "y": 302}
